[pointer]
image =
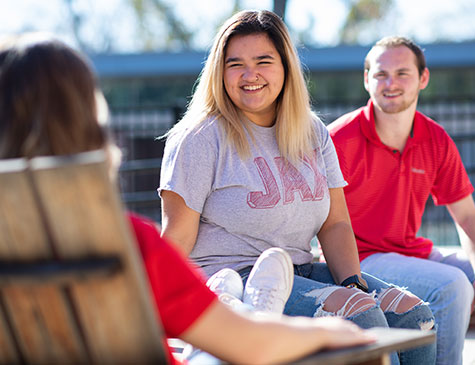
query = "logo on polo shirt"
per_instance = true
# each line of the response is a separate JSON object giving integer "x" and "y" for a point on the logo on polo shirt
{"x": 418, "y": 171}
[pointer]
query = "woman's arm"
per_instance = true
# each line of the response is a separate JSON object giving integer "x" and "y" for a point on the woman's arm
{"x": 338, "y": 240}
{"x": 268, "y": 339}
{"x": 179, "y": 222}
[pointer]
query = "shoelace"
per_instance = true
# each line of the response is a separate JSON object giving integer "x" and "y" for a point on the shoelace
{"x": 263, "y": 299}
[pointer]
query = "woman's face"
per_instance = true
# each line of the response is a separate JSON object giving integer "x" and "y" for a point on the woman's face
{"x": 254, "y": 76}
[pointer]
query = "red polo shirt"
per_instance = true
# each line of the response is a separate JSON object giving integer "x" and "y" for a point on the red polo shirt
{"x": 387, "y": 191}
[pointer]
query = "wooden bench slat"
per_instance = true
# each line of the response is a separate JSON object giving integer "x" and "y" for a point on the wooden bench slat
{"x": 43, "y": 325}
{"x": 114, "y": 319}
{"x": 64, "y": 272}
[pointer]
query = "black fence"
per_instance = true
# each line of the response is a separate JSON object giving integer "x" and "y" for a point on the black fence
{"x": 137, "y": 132}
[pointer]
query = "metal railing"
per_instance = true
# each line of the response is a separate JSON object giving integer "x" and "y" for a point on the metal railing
{"x": 136, "y": 131}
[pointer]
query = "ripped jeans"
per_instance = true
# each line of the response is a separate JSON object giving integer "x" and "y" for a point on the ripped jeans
{"x": 309, "y": 277}
{"x": 445, "y": 282}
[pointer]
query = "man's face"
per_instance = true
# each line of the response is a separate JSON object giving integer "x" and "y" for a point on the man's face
{"x": 393, "y": 81}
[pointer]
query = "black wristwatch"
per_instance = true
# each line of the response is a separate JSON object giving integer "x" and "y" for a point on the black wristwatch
{"x": 355, "y": 281}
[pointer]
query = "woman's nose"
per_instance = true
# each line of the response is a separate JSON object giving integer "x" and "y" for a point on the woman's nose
{"x": 250, "y": 75}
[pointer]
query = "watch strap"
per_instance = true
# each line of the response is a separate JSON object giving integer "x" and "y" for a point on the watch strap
{"x": 354, "y": 281}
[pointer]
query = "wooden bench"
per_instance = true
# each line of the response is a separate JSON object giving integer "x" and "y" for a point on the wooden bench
{"x": 72, "y": 285}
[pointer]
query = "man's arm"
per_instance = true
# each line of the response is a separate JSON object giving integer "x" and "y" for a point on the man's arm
{"x": 463, "y": 214}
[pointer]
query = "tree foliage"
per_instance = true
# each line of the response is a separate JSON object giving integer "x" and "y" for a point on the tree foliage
{"x": 153, "y": 14}
{"x": 361, "y": 15}
{"x": 159, "y": 27}
{"x": 176, "y": 34}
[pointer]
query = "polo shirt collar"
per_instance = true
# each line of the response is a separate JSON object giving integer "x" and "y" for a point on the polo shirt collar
{"x": 420, "y": 129}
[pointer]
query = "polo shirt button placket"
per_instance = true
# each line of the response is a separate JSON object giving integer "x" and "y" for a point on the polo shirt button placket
{"x": 402, "y": 167}
{"x": 395, "y": 153}
{"x": 398, "y": 155}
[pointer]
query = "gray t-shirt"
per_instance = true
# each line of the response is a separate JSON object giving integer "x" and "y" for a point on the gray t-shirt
{"x": 249, "y": 205}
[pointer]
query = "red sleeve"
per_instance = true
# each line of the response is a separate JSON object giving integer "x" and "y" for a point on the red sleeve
{"x": 179, "y": 289}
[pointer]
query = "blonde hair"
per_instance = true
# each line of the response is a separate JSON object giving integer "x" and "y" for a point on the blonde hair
{"x": 295, "y": 130}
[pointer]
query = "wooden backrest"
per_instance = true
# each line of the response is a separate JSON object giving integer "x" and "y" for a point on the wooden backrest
{"x": 59, "y": 218}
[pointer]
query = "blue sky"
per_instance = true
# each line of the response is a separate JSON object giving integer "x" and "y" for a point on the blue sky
{"x": 423, "y": 20}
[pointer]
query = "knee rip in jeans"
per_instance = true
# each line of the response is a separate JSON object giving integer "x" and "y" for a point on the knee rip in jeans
{"x": 399, "y": 300}
{"x": 354, "y": 301}
{"x": 393, "y": 299}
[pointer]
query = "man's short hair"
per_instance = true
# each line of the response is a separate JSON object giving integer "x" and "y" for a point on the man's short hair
{"x": 397, "y": 41}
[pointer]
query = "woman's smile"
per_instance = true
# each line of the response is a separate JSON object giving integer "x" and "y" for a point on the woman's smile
{"x": 254, "y": 76}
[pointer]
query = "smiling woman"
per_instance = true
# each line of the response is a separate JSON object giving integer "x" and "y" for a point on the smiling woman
{"x": 254, "y": 76}
{"x": 250, "y": 167}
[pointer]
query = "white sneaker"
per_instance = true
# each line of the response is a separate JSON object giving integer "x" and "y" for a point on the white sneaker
{"x": 227, "y": 285}
{"x": 226, "y": 281}
{"x": 233, "y": 302}
{"x": 270, "y": 281}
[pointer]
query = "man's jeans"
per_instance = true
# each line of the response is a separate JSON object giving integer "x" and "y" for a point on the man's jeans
{"x": 438, "y": 281}
{"x": 309, "y": 277}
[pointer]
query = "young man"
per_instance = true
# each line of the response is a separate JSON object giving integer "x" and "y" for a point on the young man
{"x": 393, "y": 157}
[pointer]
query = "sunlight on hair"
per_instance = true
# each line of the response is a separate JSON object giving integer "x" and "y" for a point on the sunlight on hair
{"x": 102, "y": 108}
{"x": 25, "y": 39}
{"x": 114, "y": 154}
